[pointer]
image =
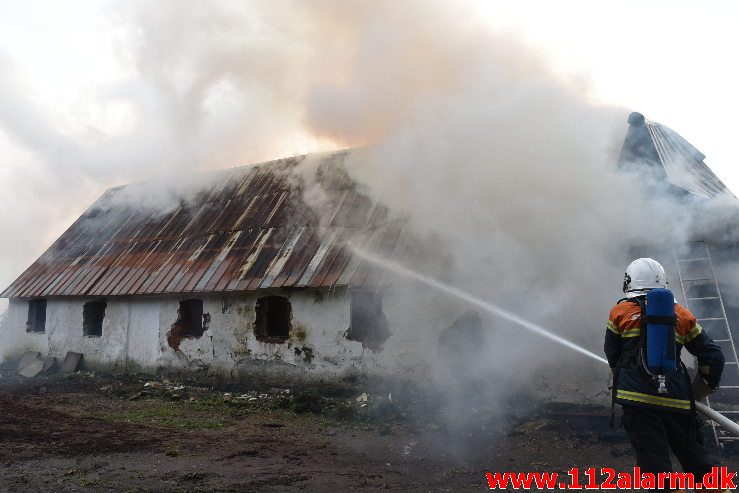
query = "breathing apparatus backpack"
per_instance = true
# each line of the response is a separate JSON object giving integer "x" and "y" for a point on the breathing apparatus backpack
{"x": 658, "y": 347}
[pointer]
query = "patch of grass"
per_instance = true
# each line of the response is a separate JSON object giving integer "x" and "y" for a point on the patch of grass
{"x": 213, "y": 412}
{"x": 210, "y": 414}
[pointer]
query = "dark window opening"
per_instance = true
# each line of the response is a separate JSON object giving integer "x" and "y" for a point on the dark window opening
{"x": 36, "y": 316}
{"x": 191, "y": 318}
{"x": 272, "y": 323}
{"x": 368, "y": 323}
{"x": 93, "y": 313}
{"x": 191, "y": 322}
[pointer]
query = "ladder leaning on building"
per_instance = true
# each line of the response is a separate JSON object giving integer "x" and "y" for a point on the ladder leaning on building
{"x": 700, "y": 290}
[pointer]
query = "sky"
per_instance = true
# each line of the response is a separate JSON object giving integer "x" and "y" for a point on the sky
{"x": 95, "y": 94}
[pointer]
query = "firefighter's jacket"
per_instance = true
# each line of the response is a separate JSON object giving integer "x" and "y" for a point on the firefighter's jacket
{"x": 633, "y": 385}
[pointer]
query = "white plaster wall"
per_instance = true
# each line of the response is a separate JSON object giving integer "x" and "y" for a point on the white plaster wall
{"x": 142, "y": 350}
{"x": 14, "y": 339}
{"x": 64, "y": 329}
{"x": 229, "y": 348}
{"x": 64, "y": 333}
{"x": 134, "y": 336}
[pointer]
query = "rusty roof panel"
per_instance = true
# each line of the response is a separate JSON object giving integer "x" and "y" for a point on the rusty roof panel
{"x": 227, "y": 242}
{"x": 143, "y": 270}
{"x": 144, "y": 251}
{"x": 187, "y": 267}
{"x": 294, "y": 270}
{"x": 169, "y": 264}
{"x": 46, "y": 282}
{"x": 237, "y": 230}
{"x": 282, "y": 257}
{"x": 246, "y": 262}
{"x": 298, "y": 258}
{"x": 326, "y": 243}
{"x": 28, "y": 277}
{"x": 326, "y": 266}
{"x": 160, "y": 254}
{"x": 237, "y": 254}
{"x": 269, "y": 251}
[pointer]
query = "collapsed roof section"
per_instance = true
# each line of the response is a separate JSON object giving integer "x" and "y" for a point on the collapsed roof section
{"x": 669, "y": 156}
{"x": 242, "y": 229}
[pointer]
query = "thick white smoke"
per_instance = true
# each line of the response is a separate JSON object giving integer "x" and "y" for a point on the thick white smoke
{"x": 466, "y": 132}
{"x": 510, "y": 170}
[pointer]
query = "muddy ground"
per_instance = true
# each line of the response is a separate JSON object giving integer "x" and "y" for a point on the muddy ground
{"x": 86, "y": 432}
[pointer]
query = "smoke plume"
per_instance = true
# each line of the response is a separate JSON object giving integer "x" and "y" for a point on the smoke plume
{"x": 465, "y": 132}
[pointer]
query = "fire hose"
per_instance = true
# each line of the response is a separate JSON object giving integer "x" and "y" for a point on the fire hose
{"x": 386, "y": 264}
{"x": 718, "y": 418}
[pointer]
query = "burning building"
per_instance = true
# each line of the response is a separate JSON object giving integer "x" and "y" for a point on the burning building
{"x": 249, "y": 271}
{"x": 236, "y": 272}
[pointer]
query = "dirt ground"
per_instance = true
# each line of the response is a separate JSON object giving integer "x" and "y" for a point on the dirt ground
{"x": 85, "y": 432}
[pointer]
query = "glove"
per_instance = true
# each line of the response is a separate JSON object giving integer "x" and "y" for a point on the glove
{"x": 701, "y": 389}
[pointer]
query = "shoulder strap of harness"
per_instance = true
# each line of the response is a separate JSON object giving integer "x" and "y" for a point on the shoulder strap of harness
{"x": 639, "y": 300}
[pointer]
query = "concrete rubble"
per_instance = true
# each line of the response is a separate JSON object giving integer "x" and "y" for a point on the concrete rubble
{"x": 365, "y": 406}
{"x": 28, "y": 358}
{"x": 71, "y": 362}
{"x": 32, "y": 364}
{"x": 32, "y": 368}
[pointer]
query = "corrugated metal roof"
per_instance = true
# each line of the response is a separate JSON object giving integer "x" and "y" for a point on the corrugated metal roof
{"x": 239, "y": 230}
{"x": 651, "y": 143}
{"x": 684, "y": 163}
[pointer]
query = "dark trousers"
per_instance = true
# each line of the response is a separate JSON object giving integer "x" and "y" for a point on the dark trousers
{"x": 654, "y": 433}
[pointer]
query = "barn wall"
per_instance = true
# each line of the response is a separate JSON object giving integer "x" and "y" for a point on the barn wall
{"x": 135, "y": 331}
{"x": 64, "y": 333}
{"x": 13, "y": 336}
{"x": 135, "y": 339}
{"x": 229, "y": 348}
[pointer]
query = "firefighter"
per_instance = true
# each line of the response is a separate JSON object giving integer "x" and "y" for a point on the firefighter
{"x": 657, "y": 421}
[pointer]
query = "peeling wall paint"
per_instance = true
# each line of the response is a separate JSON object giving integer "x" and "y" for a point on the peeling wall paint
{"x": 134, "y": 337}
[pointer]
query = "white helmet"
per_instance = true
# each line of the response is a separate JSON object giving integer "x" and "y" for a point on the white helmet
{"x": 644, "y": 274}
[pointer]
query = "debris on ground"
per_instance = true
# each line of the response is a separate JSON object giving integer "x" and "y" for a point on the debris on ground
{"x": 32, "y": 364}
{"x": 27, "y": 359}
{"x": 32, "y": 368}
{"x": 72, "y": 362}
{"x": 49, "y": 365}
{"x": 139, "y": 395}
{"x": 132, "y": 430}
